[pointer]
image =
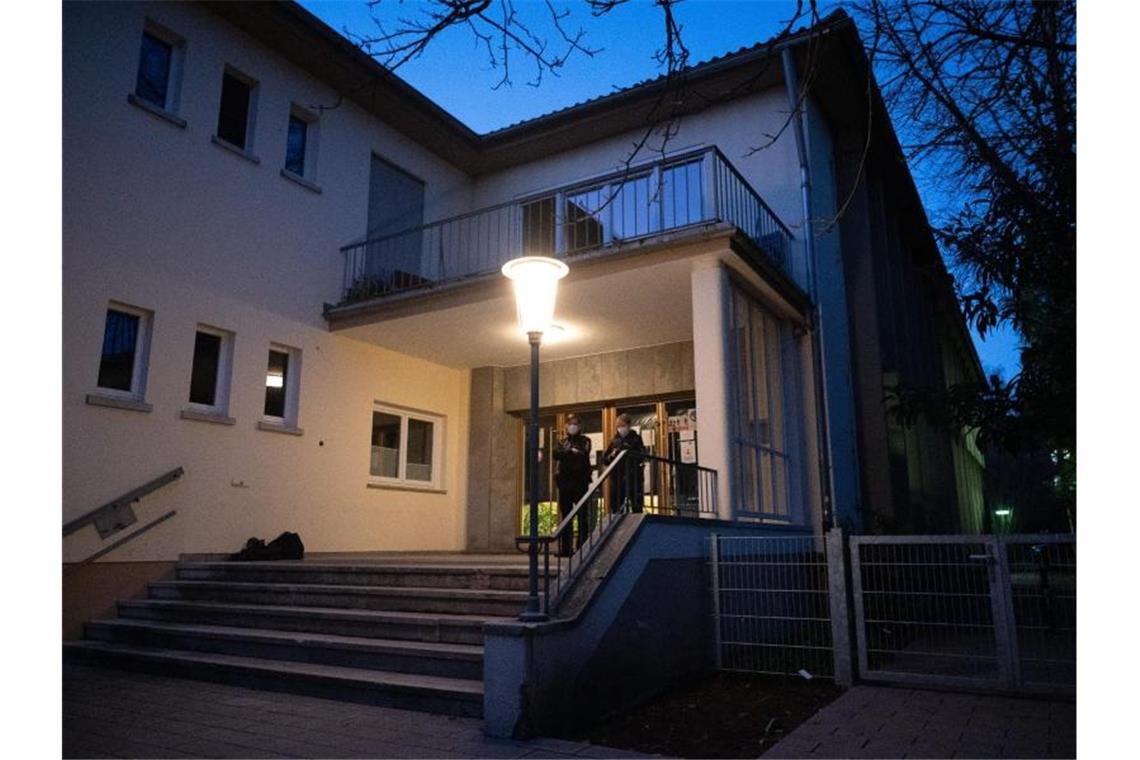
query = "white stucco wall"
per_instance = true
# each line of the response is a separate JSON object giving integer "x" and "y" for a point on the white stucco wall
{"x": 735, "y": 127}
{"x": 158, "y": 217}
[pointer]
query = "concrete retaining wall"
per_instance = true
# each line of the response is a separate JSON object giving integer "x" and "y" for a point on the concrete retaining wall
{"x": 648, "y": 625}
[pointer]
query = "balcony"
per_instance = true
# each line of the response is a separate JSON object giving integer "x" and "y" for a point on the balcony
{"x": 695, "y": 189}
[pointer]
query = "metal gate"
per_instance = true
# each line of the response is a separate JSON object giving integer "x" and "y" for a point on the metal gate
{"x": 993, "y": 612}
{"x": 773, "y": 607}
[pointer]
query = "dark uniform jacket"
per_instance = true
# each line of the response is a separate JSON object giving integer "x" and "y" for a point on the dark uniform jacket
{"x": 572, "y": 456}
{"x": 632, "y": 441}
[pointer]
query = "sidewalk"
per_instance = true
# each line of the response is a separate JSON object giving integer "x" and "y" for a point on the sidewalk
{"x": 108, "y": 713}
{"x": 873, "y": 721}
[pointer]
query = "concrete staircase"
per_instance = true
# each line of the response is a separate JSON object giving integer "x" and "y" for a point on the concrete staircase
{"x": 400, "y": 631}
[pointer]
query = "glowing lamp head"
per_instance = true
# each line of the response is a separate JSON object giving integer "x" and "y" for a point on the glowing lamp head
{"x": 536, "y": 285}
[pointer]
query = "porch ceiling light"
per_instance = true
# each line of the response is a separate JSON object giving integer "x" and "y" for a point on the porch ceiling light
{"x": 536, "y": 285}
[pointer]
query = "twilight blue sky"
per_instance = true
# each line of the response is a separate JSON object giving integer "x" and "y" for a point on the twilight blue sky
{"x": 455, "y": 73}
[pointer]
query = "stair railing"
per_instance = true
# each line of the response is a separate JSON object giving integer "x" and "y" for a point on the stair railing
{"x": 601, "y": 516}
{"x": 633, "y": 482}
{"x": 118, "y": 513}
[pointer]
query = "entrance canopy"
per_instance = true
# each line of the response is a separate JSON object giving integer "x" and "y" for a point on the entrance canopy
{"x": 640, "y": 297}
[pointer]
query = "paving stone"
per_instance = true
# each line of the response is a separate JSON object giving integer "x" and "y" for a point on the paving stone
{"x": 208, "y": 747}
{"x": 610, "y": 753}
{"x": 560, "y": 745}
{"x": 791, "y": 748}
{"x": 491, "y": 748}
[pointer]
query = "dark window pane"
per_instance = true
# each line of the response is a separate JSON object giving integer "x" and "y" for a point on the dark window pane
{"x": 295, "y": 146}
{"x": 120, "y": 336}
{"x": 276, "y": 382}
{"x": 154, "y": 70}
{"x": 204, "y": 372}
{"x": 385, "y": 445}
{"x": 420, "y": 435}
{"x": 538, "y": 227}
{"x": 234, "y": 114}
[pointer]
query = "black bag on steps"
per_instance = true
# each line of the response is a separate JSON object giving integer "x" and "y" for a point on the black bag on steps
{"x": 286, "y": 546}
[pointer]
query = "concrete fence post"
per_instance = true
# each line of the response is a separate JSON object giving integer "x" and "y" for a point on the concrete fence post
{"x": 840, "y": 616}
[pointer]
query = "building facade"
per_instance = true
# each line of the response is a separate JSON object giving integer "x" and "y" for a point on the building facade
{"x": 281, "y": 274}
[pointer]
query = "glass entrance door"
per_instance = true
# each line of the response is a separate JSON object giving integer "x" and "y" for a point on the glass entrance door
{"x": 668, "y": 428}
{"x": 681, "y": 446}
{"x": 551, "y": 427}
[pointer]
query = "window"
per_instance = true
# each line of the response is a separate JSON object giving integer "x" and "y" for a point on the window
{"x": 295, "y": 145}
{"x": 154, "y": 70}
{"x": 406, "y": 448}
{"x": 538, "y": 227}
{"x": 122, "y": 365}
{"x": 209, "y": 371}
{"x": 281, "y": 385}
{"x": 160, "y": 63}
{"x": 766, "y": 412}
{"x": 235, "y": 122}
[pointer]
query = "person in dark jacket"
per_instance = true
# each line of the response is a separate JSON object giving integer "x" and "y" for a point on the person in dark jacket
{"x": 572, "y": 458}
{"x": 625, "y": 481}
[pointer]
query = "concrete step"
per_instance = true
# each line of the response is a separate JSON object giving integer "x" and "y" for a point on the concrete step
{"x": 428, "y": 658}
{"x": 455, "y": 696}
{"x": 408, "y": 626}
{"x": 457, "y": 601}
{"x": 501, "y": 577}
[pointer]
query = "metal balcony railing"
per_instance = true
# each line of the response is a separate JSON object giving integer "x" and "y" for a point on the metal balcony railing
{"x": 695, "y": 188}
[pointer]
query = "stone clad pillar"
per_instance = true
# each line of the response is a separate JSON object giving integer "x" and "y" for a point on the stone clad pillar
{"x": 711, "y": 367}
{"x": 493, "y": 466}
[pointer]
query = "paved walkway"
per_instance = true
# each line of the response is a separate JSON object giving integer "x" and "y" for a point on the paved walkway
{"x": 108, "y": 713}
{"x": 872, "y": 721}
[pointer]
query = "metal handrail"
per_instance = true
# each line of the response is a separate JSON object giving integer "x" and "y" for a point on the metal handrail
{"x": 125, "y": 539}
{"x": 596, "y": 212}
{"x": 564, "y": 577}
{"x": 746, "y": 183}
{"x": 569, "y": 567}
{"x": 585, "y": 497}
{"x": 117, "y": 513}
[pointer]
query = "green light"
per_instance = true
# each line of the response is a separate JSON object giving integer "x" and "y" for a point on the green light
{"x": 1003, "y": 512}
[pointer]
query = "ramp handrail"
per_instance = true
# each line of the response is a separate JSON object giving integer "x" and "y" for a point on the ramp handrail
{"x": 623, "y": 478}
{"x": 117, "y": 513}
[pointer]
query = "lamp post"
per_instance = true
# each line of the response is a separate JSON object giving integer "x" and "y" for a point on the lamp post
{"x": 536, "y": 284}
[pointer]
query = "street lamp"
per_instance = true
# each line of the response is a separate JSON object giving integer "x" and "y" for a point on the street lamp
{"x": 536, "y": 284}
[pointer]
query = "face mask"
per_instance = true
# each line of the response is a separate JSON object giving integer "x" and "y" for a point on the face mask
{"x": 572, "y": 429}
{"x": 622, "y": 431}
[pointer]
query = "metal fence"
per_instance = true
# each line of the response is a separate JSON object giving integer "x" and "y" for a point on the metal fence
{"x": 698, "y": 187}
{"x": 968, "y": 611}
{"x": 976, "y": 612}
{"x": 772, "y": 606}
{"x": 1043, "y": 592}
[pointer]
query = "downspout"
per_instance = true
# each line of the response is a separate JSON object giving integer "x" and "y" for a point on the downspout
{"x": 822, "y": 417}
